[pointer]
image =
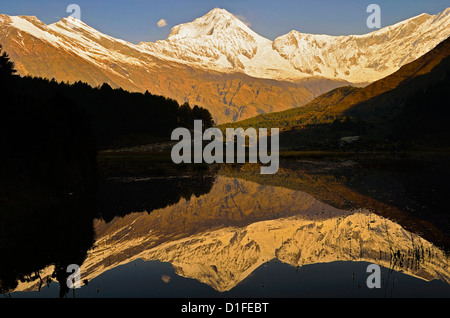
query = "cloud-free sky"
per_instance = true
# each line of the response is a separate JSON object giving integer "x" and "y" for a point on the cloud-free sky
{"x": 137, "y": 20}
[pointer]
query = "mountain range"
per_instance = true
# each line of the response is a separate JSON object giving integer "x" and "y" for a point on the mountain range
{"x": 217, "y": 61}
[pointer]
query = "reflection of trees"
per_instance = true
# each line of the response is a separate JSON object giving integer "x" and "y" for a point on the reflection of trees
{"x": 47, "y": 189}
{"x": 59, "y": 231}
{"x": 120, "y": 198}
{"x": 136, "y": 183}
{"x": 34, "y": 237}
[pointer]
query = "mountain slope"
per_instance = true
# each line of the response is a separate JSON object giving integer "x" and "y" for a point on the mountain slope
{"x": 368, "y": 57}
{"x": 217, "y": 61}
{"x": 69, "y": 50}
{"x": 308, "y": 114}
{"x": 385, "y": 95}
{"x": 378, "y": 107}
{"x": 219, "y": 41}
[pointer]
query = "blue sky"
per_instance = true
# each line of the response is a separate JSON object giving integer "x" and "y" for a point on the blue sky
{"x": 136, "y": 20}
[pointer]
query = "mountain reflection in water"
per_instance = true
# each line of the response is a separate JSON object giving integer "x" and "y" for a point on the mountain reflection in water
{"x": 221, "y": 237}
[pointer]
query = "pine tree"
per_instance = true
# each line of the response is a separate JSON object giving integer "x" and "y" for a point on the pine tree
{"x": 6, "y": 66}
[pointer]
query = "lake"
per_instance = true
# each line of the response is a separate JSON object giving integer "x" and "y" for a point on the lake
{"x": 311, "y": 230}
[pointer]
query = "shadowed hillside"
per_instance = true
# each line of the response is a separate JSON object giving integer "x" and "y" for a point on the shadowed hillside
{"x": 406, "y": 109}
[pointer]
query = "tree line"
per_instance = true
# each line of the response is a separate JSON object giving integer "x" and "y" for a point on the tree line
{"x": 114, "y": 114}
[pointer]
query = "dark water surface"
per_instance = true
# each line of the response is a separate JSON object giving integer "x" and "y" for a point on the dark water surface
{"x": 311, "y": 230}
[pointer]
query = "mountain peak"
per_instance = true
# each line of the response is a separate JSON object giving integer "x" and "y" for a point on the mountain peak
{"x": 220, "y": 12}
{"x": 72, "y": 23}
{"x": 217, "y": 21}
{"x": 219, "y": 15}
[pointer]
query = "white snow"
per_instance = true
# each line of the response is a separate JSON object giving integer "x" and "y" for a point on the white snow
{"x": 219, "y": 41}
{"x": 26, "y": 26}
{"x": 367, "y": 57}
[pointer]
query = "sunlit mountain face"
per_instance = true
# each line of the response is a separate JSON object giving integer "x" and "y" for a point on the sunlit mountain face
{"x": 217, "y": 61}
{"x": 222, "y": 240}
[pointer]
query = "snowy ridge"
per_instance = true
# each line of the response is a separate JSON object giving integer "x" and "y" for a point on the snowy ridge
{"x": 74, "y": 36}
{"x": 33, "y": 26}
{"x": 368, "y": 57}
{"x": 219, "y": 41}
{"x": 222, "y": 42}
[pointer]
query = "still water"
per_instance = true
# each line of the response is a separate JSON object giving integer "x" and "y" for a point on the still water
{"x": 309, "y": 231}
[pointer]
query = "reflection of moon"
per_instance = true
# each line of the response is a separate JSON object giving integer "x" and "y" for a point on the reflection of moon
{"x": 165, "y": 278}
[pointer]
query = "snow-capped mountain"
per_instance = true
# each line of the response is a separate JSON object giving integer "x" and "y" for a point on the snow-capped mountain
{"x": 368, "y": 57}
{"x": 217, "y": 61}
{"x": 70, "y": 50}
{"x": 220, "y": 41}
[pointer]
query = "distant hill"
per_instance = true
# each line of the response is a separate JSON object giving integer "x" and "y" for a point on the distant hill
{"x": 311, "y": 113}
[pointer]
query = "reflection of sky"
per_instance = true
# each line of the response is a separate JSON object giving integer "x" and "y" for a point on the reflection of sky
{"x": 274, "y": 279}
